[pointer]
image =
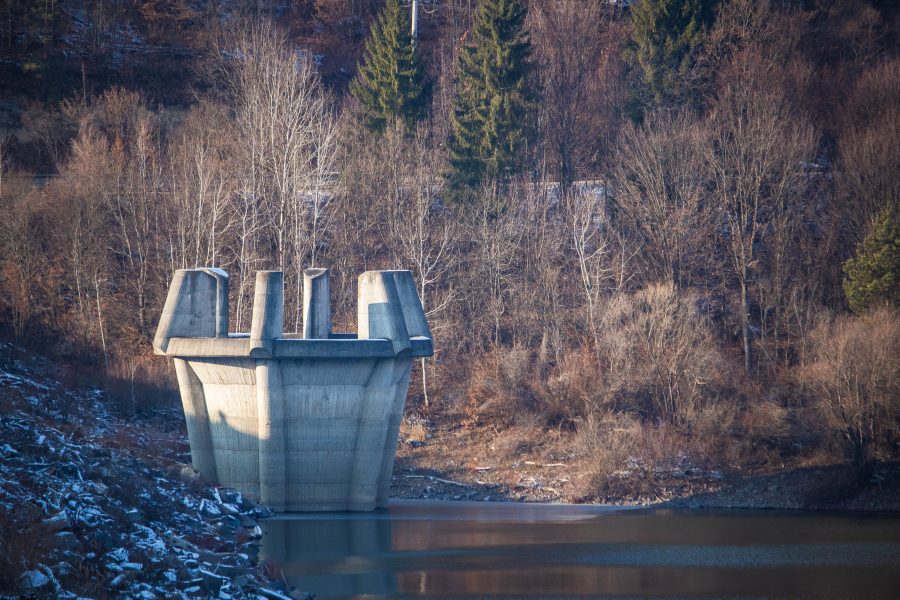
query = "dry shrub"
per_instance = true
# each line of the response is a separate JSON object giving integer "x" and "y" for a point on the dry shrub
{"x": 414, "y": 429}
{"x": 661, "y": 357}
{"x": 139, "y": 385}
{"x": 24, "y": 542}
{"x": 712, "y": 432}
{"x": 499, "y": 387}
{"x": 506, "y": 389}
{"x": 628, "y": 457}
{"x": 767, "y": 423}
{"x": 854, "y": 378}
{"x": 575, "y": 389}
{"x": 608, "y": 440}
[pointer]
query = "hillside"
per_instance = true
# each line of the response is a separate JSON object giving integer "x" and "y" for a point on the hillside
{"x": 658, "y": 251}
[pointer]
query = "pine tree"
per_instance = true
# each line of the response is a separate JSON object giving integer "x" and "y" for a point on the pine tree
{"x": 665, "y": 34}
{"x": 390, "y": 84}
{"x": 873, "y": 273}
{"x": 489, "y": 121}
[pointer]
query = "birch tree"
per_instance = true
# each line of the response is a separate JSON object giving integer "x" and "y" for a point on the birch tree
{"x": 286, "y": 123}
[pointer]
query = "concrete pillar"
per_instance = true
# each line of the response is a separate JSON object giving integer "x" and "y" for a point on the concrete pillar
{"x": 221, "y": 278}
{"x": 316, "y": 304}
{"x": 379, "y": 312}
{"x": 411, "y": 304}
{"x": 374, "y": 420}
{"x": 270, "y": 415}
{"x": 195, "y": 414}
{"x": 190, "y": 309}
{"x": 267, "y": 323}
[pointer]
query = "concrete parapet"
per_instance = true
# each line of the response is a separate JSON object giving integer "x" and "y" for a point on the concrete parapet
{"x": 299, "y": 423}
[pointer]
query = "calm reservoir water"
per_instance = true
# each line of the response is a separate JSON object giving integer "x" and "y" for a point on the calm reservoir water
{"x": 494, "y": 550}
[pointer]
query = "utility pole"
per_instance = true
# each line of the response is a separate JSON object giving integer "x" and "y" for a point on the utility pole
{"x": 415, "y": 21}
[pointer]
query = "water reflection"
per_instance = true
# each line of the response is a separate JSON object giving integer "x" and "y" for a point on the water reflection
{"x": 333, "y": 557}
{"x": 467, "y": 550}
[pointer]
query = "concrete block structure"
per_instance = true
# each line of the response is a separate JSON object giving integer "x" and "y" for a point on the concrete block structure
{"x": 300, "y": 422}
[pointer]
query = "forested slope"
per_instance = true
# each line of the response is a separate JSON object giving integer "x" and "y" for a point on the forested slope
{"x": 647, "y": 262}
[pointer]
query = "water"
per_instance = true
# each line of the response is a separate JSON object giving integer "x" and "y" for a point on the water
{"x": 496, "y": 550}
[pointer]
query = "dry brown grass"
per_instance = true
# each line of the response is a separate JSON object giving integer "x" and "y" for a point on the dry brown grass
{"x": 24, "y": 542}
{"x": 575, "y": 389}
{"x": 413, "y": 429}
{"x": 608, "y": 440}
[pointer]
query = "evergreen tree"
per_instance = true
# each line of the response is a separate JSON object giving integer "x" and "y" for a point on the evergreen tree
{"x": 390, "y": 84}
{"x": 492, "y": 98}
{"x": 665, "y": 35}
{"x": 873, "y": 273}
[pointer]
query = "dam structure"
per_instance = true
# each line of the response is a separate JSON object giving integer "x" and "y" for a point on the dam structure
{"x": 299, "y": 422}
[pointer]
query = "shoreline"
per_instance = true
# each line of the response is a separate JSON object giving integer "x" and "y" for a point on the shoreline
{"x": 808, "y": 488}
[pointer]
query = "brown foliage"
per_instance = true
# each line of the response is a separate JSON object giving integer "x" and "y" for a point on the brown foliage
{"x": 660, "y": 357}
{"x": 499, "y": 387}
{"x": 854, "y": 379}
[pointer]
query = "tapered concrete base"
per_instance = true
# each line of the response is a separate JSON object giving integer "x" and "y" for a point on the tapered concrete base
{"x": 299, "y": 424}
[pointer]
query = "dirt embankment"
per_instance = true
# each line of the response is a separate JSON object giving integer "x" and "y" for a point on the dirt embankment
{"x": 451, "y": 462}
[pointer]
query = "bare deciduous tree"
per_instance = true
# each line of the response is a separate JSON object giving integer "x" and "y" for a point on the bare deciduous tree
{"x": 856, "y": 377}
{"x": 421, "y": 235}
{"x": 593, "y": 242}
{"x": 569, "y": 44}
{"x": 287, "y": 127}
{"x": 660, "y": 188}
{"x": 757, "y": 150}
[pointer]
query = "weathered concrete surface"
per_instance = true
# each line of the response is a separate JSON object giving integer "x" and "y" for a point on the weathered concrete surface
{"x": 301, "y": 424}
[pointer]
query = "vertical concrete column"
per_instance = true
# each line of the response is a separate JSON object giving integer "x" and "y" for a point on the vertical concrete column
{"x": 193, "y": 400}
{"x": 266, "y": 326}
{"x": 221, "y": 278}
{"x": 374, "y": 421}
{"x": 267, "y": 323}
{"x": 316, "y": 304}
{"x": 379, "y": 312}
{"x": 270, "y": 415}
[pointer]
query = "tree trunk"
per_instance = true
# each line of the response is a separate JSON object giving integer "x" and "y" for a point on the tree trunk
{"x": 745, "y": 327}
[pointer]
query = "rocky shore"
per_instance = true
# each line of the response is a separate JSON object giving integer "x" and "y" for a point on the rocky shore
{"x": 92, "y": 506}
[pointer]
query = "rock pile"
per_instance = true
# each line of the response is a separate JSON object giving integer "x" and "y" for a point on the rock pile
{"x": 83, "y": 514}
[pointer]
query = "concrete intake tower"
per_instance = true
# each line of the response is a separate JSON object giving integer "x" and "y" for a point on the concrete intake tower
{"x": 300, "y": 422}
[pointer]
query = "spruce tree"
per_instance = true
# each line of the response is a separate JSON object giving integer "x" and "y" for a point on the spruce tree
{"x": 489, "y": 121}
{"x": 390, "y": 84}
{"x": 665, "y": 34}
{"x": 873, "y": 273}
